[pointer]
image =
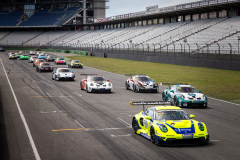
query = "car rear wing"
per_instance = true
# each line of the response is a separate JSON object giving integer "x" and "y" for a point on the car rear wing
{"x": 173, "y": 84}
{"x": 130, "y": 75}
{"x": 159, "y": 103}
{"x": 90, "y": 75}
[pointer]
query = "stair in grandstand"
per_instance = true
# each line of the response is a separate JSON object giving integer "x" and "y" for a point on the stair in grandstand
{"x": 5, "y": 35}
{"x": 72, "y": 17}
{"x": 78, "y": 37}
{"x": 32, "y": 38}
{"x": 61, "y": 37}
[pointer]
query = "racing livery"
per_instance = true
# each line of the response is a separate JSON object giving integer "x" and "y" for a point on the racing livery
{"x": 50, "y": 58}
{"x": 32, "y": 58}
{"x": 138, "y": 83}
{"x": 36, "y": 62}
{"x": 32, "y": 53}
{"x": 12, "y": 55}
{"x": 63, "y": 74}
{"x": 24, "y": 57}
{"x": 184, "y": 95}
{"x": 168, "y": 125}
{"x": 44, "y": 66}
{"x": 42, "y": 56}
{"x": 60, "y": 60}
{"x": 95, "y": 83}
{"x": 75, "y": 64}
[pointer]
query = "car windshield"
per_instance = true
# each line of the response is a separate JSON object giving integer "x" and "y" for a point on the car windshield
{"x": 64, "y": 70}
{"x": 24, "y": 55}
{"x": 50, "y": 56}
{"x": 11, "y": 53}
{"x": 34, "y": 57}
{"x": 186, "y": 90}
{"x": 41, "y": 60}
{"x": 76, "y": 61}
{"x": 41, "y": 55}
{"x": 171, "y": 115}
{"x": 97, "y": 79}
{"x": 143, "y": 79}
{"x": 61, "y": 58}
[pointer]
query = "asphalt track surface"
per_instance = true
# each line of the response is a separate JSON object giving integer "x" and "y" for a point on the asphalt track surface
{"x": 68, "y": 123}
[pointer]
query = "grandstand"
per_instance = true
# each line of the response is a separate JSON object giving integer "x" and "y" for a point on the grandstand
{"x": 215, "y": 27}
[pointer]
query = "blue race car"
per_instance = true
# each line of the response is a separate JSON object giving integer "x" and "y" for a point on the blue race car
{"x": 42, "y": 56}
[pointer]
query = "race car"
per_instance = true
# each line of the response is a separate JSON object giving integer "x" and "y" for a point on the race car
{"x": 31, "y": 59}
{"x": 18, "y": 55}
{"x": 138, "y": 83}
{"x": 168, "y": 125}
{"x": 184, "y": 95}
{"x": 60, "y": 60}
{"x": 44, "y": 66}
{"x": 32, "y": 53}
{"x": 37, "y": 62}
{"x": 38, "y": 52}
{"x": 12, "y": 55}
{"x": 50, "y": 58}
{"x": 75, "y": 64}
{"x": 63, "y": 74}
{"x": 2, "y": 49}
{"x": 41, "y": 56}
{"x": 24, "y": 57}
{"x": 95, "y": 83}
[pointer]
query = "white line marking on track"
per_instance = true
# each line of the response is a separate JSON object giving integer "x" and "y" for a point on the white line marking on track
{"x": 53, "y": 112}
{"x": 120, "y": 135}
{"x": 225, "y": 101}
{"x": 79, "y": 123}
{"x": 124, "y": 121}
{"x": 23, "y": 118}
{"x": 214, "y": 140}
{"x": 104, "y": 129}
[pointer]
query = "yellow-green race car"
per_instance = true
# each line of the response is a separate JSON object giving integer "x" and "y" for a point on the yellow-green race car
{"x": 75, "y": 64}
{"x": 168, "y": 125}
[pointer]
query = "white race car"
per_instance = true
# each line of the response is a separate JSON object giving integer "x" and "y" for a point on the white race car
{"x": 62, "y": 74}
{"x": 32, "y": 53}
{"x": 95, "y": 83}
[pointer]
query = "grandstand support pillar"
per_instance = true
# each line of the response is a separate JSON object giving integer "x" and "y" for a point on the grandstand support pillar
{"x": 158, "y": 21}
{"x": 141, "y": 22}
{"x": 170, "y": 19}
{"x": 164, "y": 20}
{"x": 227, "y": 13}
{"x": 152, "y": 22}
{"x": 133, "y": 24}
{"x": 176, "y": 19}
{"x": 84, "y": 12}
{"x": 238, "y": 12}
{"x": 183, "y": 18}
{"x": 191, "y": 17}
{"x": 120, "y": 25}
{"x": 207, "y": 15}
{"x": 217, "y": 14}
{"x": 199, "y": 16}
{"x": 147, "y": 22}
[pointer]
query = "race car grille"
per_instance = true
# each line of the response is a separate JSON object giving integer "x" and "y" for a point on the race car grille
{"x": 104, "y": 85}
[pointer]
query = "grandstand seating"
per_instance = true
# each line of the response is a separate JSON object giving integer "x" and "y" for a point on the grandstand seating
{"x": 203, "y": 34}
{"x": 10, "y": 19}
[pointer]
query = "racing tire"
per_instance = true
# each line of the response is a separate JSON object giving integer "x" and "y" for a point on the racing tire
{"x": 163, "y": 97}
{"x": 134, "y": 88}
{"x": 156, "y": 91}
{"x": 152, "y": 132}
{"x": 87, "y": 89}
{"x": 175, "y": 101}
{"x": 81, "y": 85}
{"x": 52, "y": 77}
{"x": 134, "y": 125}
{"x": 126, "y": 85}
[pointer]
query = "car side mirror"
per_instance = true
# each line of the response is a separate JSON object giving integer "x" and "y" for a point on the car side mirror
{"x": 108, "y": 80}
{"x": 148, "y": 117}
{"x": 191, "y": 116}
{"x": 199, "y": 91}
{"x": 54, "y": 71}
{"x": 172, "y": 91}
{"x": 72, "y": 71}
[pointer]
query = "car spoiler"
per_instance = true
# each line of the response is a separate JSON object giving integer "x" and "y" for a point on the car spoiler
{"x": 173, "y": 84}
{"x": 161, "y": 103}
{"x": 90, "y": 75}
{"x": 130, "y": 75}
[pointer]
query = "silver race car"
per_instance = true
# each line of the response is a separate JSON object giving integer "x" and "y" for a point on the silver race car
{"x": 63, "y": 74}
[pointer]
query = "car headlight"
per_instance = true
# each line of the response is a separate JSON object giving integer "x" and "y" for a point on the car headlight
{"x": 182, "y": 96}
{"x": 109, "y": 84}
{"x": 91, "y": 84}
{"x": 163, "y": 128}
{"x": 201, "y": 126}
{"x": 204, "y": 97}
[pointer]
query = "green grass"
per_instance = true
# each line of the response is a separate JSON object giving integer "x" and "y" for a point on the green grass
{"x": 221, "y": 84}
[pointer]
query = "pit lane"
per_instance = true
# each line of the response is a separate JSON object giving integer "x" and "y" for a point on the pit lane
{"x": 67, "y": 123}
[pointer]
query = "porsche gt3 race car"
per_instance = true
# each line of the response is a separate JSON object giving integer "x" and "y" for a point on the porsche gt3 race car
{"x": 44, "y": 66}
{"x": 42, "y": 56}
{"x": 32, "y": 58}
{"x": 50, "y": 58}
{"x": 63, "y": 74}
{"x": 75, "y": 64}
{"x": 32, "y": 53}
{"x": 24, "y": 57}
{"x": 168, "y": 125}
{"x": 95, "y": 83}
{"x": 184, "y": 95}
{"x": 12, "y": 55}
{"x": 36, "y": 62}
{"x": 138, "y": 83}
{"x": 60, "y": 60}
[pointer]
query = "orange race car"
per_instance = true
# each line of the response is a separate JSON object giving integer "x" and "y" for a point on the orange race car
{"x": 37, "y": 62}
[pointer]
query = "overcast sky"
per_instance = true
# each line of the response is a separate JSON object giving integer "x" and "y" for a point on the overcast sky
{"x": 119, "y": 7}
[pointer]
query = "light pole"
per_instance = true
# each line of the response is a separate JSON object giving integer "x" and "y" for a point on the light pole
{"x": 185, "y": 41}
{"x": 238, "y": 43}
